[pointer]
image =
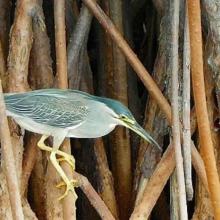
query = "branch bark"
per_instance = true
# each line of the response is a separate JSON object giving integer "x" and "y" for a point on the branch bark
{"x": 119, "y": 138}
{"x": 187, "y": 162}
{"x": 93, "y": 197}
{"x": 175, "y": 111}
{"x": 106, "y": 186}
{"x": 9, "y": 163}
{"x": 203, "y": 206}
{"x": 207, "y": 149}
{"x": 69, "y": 207}
{"x": 142, "y": 73}
{"x": 77, "y": 47}
{"x": 40, "y": 76}
{"x": 18, "y": 60}
{"x": 131, "y": 57}
{"x": 211, "y": 24}
{"x": 155, "y": 185}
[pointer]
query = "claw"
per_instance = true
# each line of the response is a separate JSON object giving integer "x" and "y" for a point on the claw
{"x": 70, "y": 185}
{"x": 74, "y": 183}
{"x": 69, "y": 159}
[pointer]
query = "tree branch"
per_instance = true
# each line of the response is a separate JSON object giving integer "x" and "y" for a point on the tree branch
{"x": 9, "y": 163}
{"x": 93, "y": 197}
{"x": 175, "y": 111}
{"x": 131, "y": 57}
{"x": 155, "y": 185}
{"x": 187, "y": 162}
{"x": 69, "y": 207}
{"x": 207, "y": 149}
{"x": 142, "y": 73}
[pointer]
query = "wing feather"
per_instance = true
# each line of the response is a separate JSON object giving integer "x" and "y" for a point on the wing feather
{"x": 50, "y": 109}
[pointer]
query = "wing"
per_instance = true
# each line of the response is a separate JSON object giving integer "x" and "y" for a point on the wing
{"x": 53, "y": 110}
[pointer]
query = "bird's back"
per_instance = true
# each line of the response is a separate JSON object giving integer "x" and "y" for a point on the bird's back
{"x": 58, "y": 108}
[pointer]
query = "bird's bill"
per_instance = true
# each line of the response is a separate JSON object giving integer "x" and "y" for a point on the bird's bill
{"x": 141, "y": 132}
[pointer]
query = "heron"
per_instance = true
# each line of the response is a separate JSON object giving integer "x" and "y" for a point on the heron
{"x": 69, "y": 113}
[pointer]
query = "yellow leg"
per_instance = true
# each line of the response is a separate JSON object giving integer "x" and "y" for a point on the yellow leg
{"x": 70, "y": 184}
{"x": 65, "y": 157}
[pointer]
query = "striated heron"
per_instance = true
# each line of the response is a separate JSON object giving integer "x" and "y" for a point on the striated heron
{"x": 69, "y": 113}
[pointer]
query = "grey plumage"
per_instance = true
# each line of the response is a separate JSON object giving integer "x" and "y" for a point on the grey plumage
{"x": 70, "y": 113}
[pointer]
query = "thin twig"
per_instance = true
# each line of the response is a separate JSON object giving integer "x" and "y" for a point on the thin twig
{"x": 93, "y": 197}
{"x": 69, "y": 207}
{"x": 29, "y": 160}
{"x": 155, "y": 185}
{"x": 175, "y": 111}
{"x": 119, "y": 139}
{"x": 9, "y": 163}
{"x": 203, "y": 207}
{"x": 3, "y": 73}
{"x": 77, "y": 43}
{"x": 60, "y": 36}
{"x": 187, "y": 162}
{"x": 207, "y": 149}
{"x": 107, "y": 191}
{"x": 40, "y": 73}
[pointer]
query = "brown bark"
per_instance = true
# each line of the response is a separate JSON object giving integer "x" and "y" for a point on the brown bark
{"x": 5, "y": 7}
{"x": 207, "y": 149}
{"x": 159, "y": 178}
{"x": 3, "y": 73}
{"x": 93, "y": 197}
{"x": 41, "y": 76}
{"x": 94, "y": 62}
{"x": 139, "y": 68}
{"x": 106, "y": 186}
{"x": 9, "y": 163}
{"x": 119, "y": 140}
{"x": 187, "y": 162}
{"x": 211, "y": 24}
{"x": 19, "y": 52}
{"x": 203, "y": 207}
{"x": 29, "y": 160}
{"x": 69, "y": 207}
{"x": 155, "y": 185}
{"x": 38, "y": 186}
{"x": 77, "y": 62}
{"x": 183, "y": 214}
{"x": 5, "y": 13}
{"x": 154, "y": 122}
{"x": 79, "y": 74}
{"x": 147, "y": 80}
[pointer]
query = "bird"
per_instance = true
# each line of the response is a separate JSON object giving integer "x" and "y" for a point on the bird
{"x": 62, "y": 113}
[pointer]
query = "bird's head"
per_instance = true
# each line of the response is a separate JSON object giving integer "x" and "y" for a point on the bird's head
{"x": 124, "y": 117}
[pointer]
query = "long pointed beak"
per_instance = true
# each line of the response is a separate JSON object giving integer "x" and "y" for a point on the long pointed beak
{"x": 141, "y": 132}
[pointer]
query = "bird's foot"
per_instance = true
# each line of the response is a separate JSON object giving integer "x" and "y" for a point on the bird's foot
{"x": 70, "y": 186}
{"x": 69, "y": 159}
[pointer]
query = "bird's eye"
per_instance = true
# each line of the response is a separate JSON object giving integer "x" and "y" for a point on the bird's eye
{"x": 123, "y": 116}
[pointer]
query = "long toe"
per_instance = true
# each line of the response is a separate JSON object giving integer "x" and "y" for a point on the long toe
{"x": 70, "y": 186}
{"x": 75, "y": 183}
{"x": 69, "y": 159}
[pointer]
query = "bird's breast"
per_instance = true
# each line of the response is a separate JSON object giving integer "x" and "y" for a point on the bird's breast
{"x": 90, "y": 131}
